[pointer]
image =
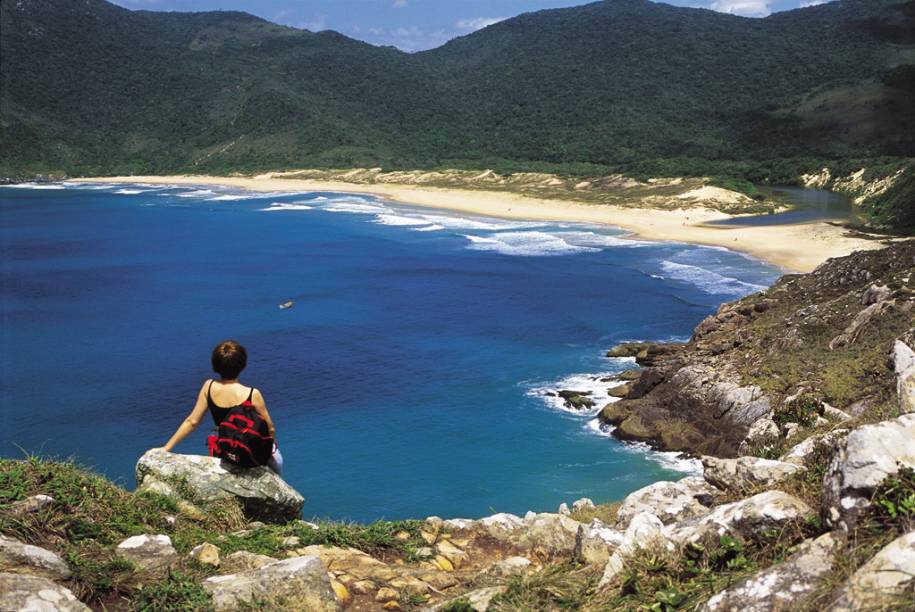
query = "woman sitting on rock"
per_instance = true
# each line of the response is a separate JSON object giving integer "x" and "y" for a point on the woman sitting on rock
{"x": 221, "y": 396}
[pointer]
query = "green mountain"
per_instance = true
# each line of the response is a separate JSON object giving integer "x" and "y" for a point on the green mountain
{"x": 89, "y": 87}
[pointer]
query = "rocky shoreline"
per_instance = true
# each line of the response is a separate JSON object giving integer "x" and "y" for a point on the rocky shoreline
{"x": 799, "y": 401}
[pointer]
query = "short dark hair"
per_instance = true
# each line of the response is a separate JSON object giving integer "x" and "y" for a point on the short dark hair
{"x": 229, "y": 359}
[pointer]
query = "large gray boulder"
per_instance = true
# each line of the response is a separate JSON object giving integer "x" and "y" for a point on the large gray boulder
{"x": 861, "y": 462}
{"x": 547, "y": 534}
{"x": 669, "y": 501}
{"x": 24, "y": 593}
{"x": 19, "y": 558}
{"x": 298, "y": 583}
{"x": 884, "y": 582}
{"x": 763, "y": 512}
{"x": 745, "y": 473}
{"x": 261, "y": 492}
{"x": 785, "y": 585}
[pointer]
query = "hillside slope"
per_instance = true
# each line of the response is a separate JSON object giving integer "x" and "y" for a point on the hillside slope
{"x": 88, "y": 87}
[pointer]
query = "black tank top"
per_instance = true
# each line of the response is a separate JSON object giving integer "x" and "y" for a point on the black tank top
{"x": 219, "y": 412}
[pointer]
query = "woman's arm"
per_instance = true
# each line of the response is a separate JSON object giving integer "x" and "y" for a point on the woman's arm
{"x": 191, "y": 422}
{"x": 261, "y": 407}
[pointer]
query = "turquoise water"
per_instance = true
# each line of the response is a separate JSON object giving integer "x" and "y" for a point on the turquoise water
{"x": 411, "y": 375}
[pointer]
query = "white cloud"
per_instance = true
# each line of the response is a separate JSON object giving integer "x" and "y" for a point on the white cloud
{"x": 746, "y": 8}
{"x": 813, "y": 3}
{"x": 409, "y": 38}
{"x": 477, "y": 23}
{"x": 400, "y": 4}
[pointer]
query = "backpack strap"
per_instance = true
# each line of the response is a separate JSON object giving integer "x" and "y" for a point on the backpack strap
{"x": 250, "y": 394}
{"x": 210, "y": 397}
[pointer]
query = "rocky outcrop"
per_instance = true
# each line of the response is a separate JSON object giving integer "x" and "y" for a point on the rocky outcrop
{"x": 718, "y": 395}
{"x": 770, "y": 510}
{"x": 783, "y": 586}
{"x": 298, "y": 583}
{"x": 19, "y": 558}
{"x": 883, "y": 583}
{"x": 36, "y": 594}
{"x": 595, "y": 542}
{"x": 861, "y": 462}
{"x": 745, "y": 473}
{"x": 669, "y": 501}
{"x": 262, "y": 494}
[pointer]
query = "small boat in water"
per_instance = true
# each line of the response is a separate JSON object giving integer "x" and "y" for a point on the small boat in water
{"x": 286, "y": 305}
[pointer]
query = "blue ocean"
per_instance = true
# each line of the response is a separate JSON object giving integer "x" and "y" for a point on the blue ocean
{"x": 411, "y": 377}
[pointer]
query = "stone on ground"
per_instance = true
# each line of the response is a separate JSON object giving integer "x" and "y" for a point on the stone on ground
{"x": 299, "y": 583}
{"x": 669, "y": 501}
{"x": 595, "y": 542}
{"x": 31, "y": 504}
{"x": 36, "y": 594}
{"x": 20, "y": 558}
{"x": 149, "y": 554}
{"x": 205, "y": 553}
{"x": 242, "y": 560}
{"x": 645, "y": 531}
{"x": 260, "y": 491}
{"x": 766, "y": 511}
{"x": 745, "y": 473}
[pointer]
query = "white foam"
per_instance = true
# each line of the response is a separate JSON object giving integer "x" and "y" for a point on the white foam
{"x": 392, "y": 219}
{"x": 228, "y": 197}
{"x": 36, "y": 186}
{"x": 199, "y": 193}
{"x": 593, "y": 384}
{"x": 428, "y": 228}
{"x": 359, "y": 208}
{"x": 707, "y": 280}
{"x": 528, "y": 244}
{"x": 593, "y": 239}
{"x": 275, "y": 206}
{"x": 131, "y": 191}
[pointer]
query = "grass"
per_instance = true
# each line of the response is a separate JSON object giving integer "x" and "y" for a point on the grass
{"x": 91, "y": 515}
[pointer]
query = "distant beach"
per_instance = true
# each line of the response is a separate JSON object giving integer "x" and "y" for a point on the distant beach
{"x": 794, "y": 248}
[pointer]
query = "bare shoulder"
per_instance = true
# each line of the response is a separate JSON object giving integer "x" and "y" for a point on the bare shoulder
{"x": 205, "y": 386}
{"x": 257, "y": 396}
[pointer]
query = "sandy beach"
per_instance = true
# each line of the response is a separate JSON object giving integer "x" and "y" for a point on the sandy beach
{"x": 794, "y": 248}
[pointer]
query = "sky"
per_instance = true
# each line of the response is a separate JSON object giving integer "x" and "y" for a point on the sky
{"x": 416, "y": 25}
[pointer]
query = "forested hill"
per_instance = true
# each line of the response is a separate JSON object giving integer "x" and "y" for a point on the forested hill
{"x": 89, "y": 87}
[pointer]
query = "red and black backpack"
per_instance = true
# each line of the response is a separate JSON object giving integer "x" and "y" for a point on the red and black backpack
{"x": 243, "y": 437}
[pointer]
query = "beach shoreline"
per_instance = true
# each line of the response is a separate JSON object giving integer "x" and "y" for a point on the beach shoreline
{"x": 793, "y": 248}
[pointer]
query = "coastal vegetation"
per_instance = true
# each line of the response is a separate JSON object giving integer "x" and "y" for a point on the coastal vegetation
{"x": 817, "y": 507}
{"x": 620, "y": 86}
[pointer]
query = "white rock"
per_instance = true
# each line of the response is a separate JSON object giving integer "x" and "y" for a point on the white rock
{"x": 746, "y": 472}
{"x": 645, "y": 531}
{"x": 762, "y": 432}
{"x": 861, "y": 462}
{"x": 784, "y": 585}
{"x": 547, "y": 534}
{"x": 594, "y": 543}
{"x": 508, "y": 567}
{"x": 582, "y": 504}
{"x": 880, "y": 583}
{"x": 31, "y": 504}
{"x": 765, "y": 511}
{"x": 21, "y": 558}
{"x": 799, "y": 454}
{"x": 564, "y": 509}
{"x": 478, "y": 600}
{"x": 27, "y": 593}
{"x": 904, "y": 364}
{"x": 299, "y": 583}
{"x": 669, "y": 501}
{"x": 501, "y": 527}
{"x": 149, "y": 553}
